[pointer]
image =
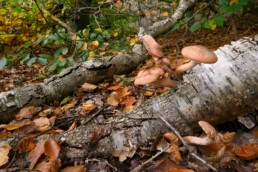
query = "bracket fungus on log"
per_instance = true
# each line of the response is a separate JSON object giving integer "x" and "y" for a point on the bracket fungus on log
{"x": 197, "y": 54}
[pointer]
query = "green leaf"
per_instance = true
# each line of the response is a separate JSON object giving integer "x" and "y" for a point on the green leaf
{"x": 221, "y": 2}
{"x": 64, "y": 51}
{"x": 3, "y": 62}
{"x": 100, "y": 39}
{"x": 175, "y": 27}
{"x": 106, "y": 34}
{"x": 25, "y": 58}
{"x": 43, "y": 76}
{"x": 60, "y": 69}
{"x": 93, "y": 35}
{"x": 196, "y": 26}
{"x": 31, "y": 61}
{"x": 54, "y": 65}
{"x": 63, "y": 63}
{"x": 79, "y": 45}
{"x": 65, "y": 100}
{"x": 223, "y": 9}
{"x": 208, "y": 24}
{"x": 46, "y": 56}
{"x": 219, "y": 20}
{"x": 26, "y": 45}
{"x": 42, "y": 61}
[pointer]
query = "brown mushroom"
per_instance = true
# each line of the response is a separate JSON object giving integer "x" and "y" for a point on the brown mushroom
{"x": 164, "y": 64}
{"x": 152, "y": 46}
{"x": 197, "y": 54}
{"x": 148, "y": 76}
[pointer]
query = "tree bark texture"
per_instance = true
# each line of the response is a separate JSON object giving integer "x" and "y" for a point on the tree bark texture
{"x": 63, "y": 84}
{"x": 211, "y": 92}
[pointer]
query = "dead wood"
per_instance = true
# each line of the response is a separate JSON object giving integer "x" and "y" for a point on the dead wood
{"x": 214, "y": 93}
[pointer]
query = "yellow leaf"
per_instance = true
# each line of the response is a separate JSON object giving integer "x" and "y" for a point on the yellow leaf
{"x": 101, "y": 2}
{"x": 165, "y": 14}
{"x": 153, "y": 12}
{"x": 99, "y": 30}
{"x": 2, "y": 11}
{"x": 19, "y": 21}
{"x": 213, "y": 27}
{"x": 115, "y": 34}
{"x": 21, "y": 15}
{"x": 95, "y": 43}
{"x": 107, "y": 1}
{"x": 232, "y": 2}
{"x": 148, "y": 13}
{"x": 84, "y": 46}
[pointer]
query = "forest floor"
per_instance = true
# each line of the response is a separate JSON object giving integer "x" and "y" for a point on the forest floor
{"x": 120, "y": 95}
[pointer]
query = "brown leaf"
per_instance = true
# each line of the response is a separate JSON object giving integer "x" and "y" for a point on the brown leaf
{"x": 178, "y": 170}
{"x": 172, "y": 137}
{"x": 42, "y": 121}
{"x": 127, "y": 101}
{"x": 247, "y": 151}
{"x": 51, "y": 166}
{"x": 122, "y": 92}
{"x": 52, "y": 149}
{"x": 174, "y": 152}
{"x": 88, "y": 107}
{"x": 73, "y": 126}
{"x": 36, "y": 153}
{"x": 27, "y": 112}
{"x": 113, "y": 99}
{"x": 5, "y": 134}
{"x": 26, "y": 129}
{"x": 27, "y": 144}
{"x": 79, "y": 168}
{"x": 89, "y": 87}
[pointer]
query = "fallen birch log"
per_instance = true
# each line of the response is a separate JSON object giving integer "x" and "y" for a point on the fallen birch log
{"x": 214, "y": 93}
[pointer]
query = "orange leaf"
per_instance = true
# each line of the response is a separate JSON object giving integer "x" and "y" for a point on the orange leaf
{"x": 27, "y": 112}
{"x": 27, "y": 144}
{"x": 88, "y": 107}
{"x": 89, "y": 87}
{"x": 122, "y": 92}
{"x": 51, "y": 166}
{"x": 165, "y": 14}
{"x": 5, "y": 134}
{"x": 115, "y": 87}
{"x": 175, "y": 169}
{"x": 36, "y": 153}
{"x": 52, "y": 149}
{"x": 148, "y": 93}
{"x": 174, "y": 152}
{"x": 74, "y": 124}
{"x": 128, "y": 108}
{"x": 247, "y": 151}
{"x": 4, "y": 151}
{"x": 172, "y": 137}
{"x": 113, "y": 99}
{"x": 127, "y": 101}
{"x": 79, "y": 168}
{"x": 84, "y": 46}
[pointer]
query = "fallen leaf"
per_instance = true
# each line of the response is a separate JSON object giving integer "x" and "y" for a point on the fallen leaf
{"x": 89, "y": 87}
{"x": 5, "y": 134}
{"x": 247, "y": 151}
{"x": 127, "y": 101}
{"x": 174, "y": 152}
{"x": 113, "y": 99}
{"x": 51, "y": 166}
{"x": 88, "y": 107}
{"x": 78, "y": 168}
{"x": 52, "y": 149}
{"x": 4, "y": 151}
{"x": 36, "y": 153}
{"x": 73, "y": 126}
{"x": 27, "y": 112}
{"x": 27, "y": 144}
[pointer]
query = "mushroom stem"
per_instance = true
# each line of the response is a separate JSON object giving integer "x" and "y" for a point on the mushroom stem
{"x": 186, "y": 66}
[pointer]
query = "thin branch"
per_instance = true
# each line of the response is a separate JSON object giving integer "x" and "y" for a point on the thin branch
{"x": 155, "y": 109}
{"x": 153, "y": 157}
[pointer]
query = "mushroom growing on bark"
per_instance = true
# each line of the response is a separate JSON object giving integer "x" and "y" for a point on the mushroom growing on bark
{"x": 152, "y": 46}
{"x": 148, "y": 76}
{"x": 197, "y": 54}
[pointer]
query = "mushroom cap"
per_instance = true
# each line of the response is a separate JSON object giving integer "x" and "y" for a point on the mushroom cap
{"x": 199, "y": 54}
{"x": 152, "y": 46}
{"x": 148, "y": 76}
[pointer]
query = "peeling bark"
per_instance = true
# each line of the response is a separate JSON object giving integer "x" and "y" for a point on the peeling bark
{"x": 213, "y": 93}
{"x": 59, "y": 86}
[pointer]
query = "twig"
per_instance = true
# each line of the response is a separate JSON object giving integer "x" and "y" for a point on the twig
{"x": 49, "y": 23}
{"x": 96, "y": 20}
{"x": 181, "y": 40}
{"x": 155, "y": 109}
{"x": 153, "y": 157}
{"x": 234, "y": 27}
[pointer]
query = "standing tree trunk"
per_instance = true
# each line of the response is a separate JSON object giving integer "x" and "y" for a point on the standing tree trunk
{"x": 214, "y": 93}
